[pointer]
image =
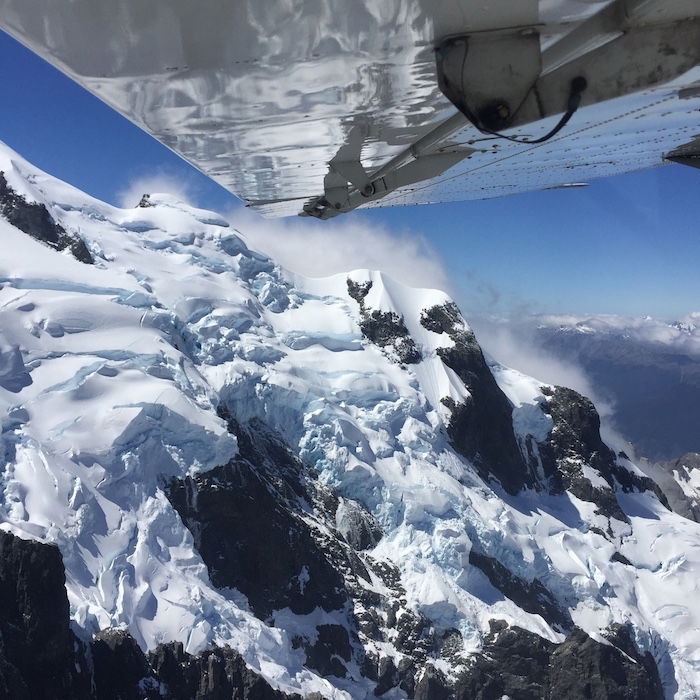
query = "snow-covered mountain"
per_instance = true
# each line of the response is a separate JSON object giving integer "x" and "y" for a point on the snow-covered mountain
{"x": 261, "y": 484}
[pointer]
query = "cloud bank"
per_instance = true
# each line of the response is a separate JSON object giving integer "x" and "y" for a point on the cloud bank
{"x": 320, "y": 250}
{"x": 155, "y": 182}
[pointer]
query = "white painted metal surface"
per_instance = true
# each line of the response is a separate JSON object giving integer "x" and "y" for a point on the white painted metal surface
{"x": 263, "y": 94}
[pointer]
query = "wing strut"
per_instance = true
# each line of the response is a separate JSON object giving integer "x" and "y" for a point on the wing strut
{"x": 500, "y": 80}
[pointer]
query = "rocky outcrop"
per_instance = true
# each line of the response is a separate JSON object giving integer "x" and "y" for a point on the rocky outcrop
{"x": 519, "y": 664}
{"x": 123, "y": 672}
{"x": 213, "y": 674}
{"x": 678, "y": 478}
{"x": 531, "y": 596}
{"x": 580, "y": 667}
{"x": 249, "y": 526}
{"x": 41, "y": 658}
{"x": 575, "y": 443}
{"x": 385, "y": 329}
{"x": 34, "y": 219}
{"x": 120, "y": 668}
{"x": 481, "y": 428}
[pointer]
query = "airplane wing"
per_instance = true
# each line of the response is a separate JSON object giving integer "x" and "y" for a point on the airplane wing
{"x": 320, "y": 106}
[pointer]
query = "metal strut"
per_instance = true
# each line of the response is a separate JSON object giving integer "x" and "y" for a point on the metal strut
{"x": 501, "y": 80}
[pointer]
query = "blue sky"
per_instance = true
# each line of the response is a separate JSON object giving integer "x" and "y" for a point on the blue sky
{"x": 627, "y": 245}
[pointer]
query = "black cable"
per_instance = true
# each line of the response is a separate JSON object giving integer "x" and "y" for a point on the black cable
{"x": 456, "y": 96}
{"x": 578, "y": 85}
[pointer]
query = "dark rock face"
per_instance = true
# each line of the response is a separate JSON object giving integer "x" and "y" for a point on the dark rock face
{"x": 575, "y": 440}
{"x": 384, "y": 328}
{"x": 330, "y": 650}
{"x": 675, "y": 478}
{"x": 215, "y": 674}
{"x": 124, "y": 672}
{"x": 481, "y": 429}
{"x": 13, "y": 374}
{"x": 519, "y": 664}
{"x": 359, "y": 290}
{"x": 358, "y": 528}
{"x": 583, "y": 668}
{"x": 40, "y": 656}
{"x": 41, "y": 659}
{"x": 432, "y": 685}
{"x": 120, "y": 669}
{"x": 514, "y": 663}
{"x": 247, "y": 521}
{"x": 531, "y": 596}
{"x": 34, "y": 219}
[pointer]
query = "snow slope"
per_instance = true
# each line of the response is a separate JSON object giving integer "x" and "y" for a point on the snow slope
{"x": 110, "y": 377}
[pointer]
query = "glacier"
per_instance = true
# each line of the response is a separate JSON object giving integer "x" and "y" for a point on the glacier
{"x": 119, "y": 385}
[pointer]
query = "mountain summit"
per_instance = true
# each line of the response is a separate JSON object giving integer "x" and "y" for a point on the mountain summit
{"x": 221, "y": 479}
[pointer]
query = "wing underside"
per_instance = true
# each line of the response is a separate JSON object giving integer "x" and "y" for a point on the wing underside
{"x": 266, "y": 96}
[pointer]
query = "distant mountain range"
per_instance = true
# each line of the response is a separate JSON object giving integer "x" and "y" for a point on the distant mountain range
{"x": 647, "y": 369}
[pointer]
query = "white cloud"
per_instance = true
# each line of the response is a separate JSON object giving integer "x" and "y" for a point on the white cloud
{"x": 155, "y": 182}
{"x": 318, "y": 249}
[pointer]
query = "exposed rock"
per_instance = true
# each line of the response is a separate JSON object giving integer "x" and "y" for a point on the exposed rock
{"x": 384, "y": 328}
{"x": 121, "y": 671}
{"x": 621, "y": 558}
{"x": 575, "y": 441}
{"x": 40, "y": 657}
{"x": 513, "y": 663}
{"x": 481, "y": 428}
{"x": 387, "y": 675}
{"x": 531, "y": 596}
{"x": 358, "y": 291}
{"x": 34, "y": 219}
{"x": 145, "y": 201}
{"x": 357, "y": 526}
{"x": 331, "y": 648}
{"x": 215, "y": 674}
{"x": 677, "y": 478}
{"x": 252, "y": 541}
{"x": 519, "y": 664}
{"x": 124, "y": 672}
{"x": 431, "y": 685}
{"x": 13, "y": 372}
{"x": 387, "y": 329}
{"x": 583, "y": 668}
